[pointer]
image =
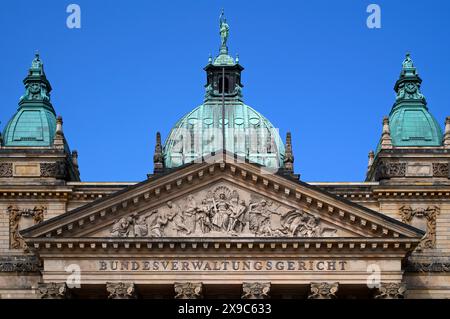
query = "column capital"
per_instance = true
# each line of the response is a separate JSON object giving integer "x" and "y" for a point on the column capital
{"x": 188, "y": 290}
{"x": 391, "y": 290}
{"x": 323, "y": 290}
{"x": 255, "y": 290}
{"x": 121, "y": 290}
{"x": 53, "y": 290}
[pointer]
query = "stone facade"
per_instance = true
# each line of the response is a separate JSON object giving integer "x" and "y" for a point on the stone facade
{"x": 225, "y": 226}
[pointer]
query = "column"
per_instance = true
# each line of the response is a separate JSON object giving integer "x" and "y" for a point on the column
{"x": 255, "y": 290}
{"x": 188, "y": 290}
{"x": 121, "y": 290}
{"x": 323, "y": 290}
{"x": 391, "y": 290}
{"x": 53, "y": 290}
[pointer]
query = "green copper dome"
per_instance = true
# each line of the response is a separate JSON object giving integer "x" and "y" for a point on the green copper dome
{"x": 30, "y": 127}
{"x": 248, "y": 134}
{"x": 244, "y": 132}
{"x": 410, "y": 122}
{"x": 34, "y": 123}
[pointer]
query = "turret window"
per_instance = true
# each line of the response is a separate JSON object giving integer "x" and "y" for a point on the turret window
{"x": 226, "y": 87}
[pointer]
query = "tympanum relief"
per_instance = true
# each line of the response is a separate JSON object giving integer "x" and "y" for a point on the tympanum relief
{"x": 221, "y": 211}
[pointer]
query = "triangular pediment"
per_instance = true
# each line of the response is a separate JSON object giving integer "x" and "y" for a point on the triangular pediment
{"x": 225, "y": 198}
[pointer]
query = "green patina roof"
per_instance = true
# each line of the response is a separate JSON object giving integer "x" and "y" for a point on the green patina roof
{"x": 34, "y": 123}
{"x": 410, "y": 122}
{"x": 199, "y": 133}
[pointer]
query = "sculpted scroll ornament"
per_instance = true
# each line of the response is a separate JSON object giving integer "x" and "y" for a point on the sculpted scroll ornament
{"x": 323, "y": 290}
{"x": 121, "y": 290}
{"x": 15, "y": 215}
{"x": 389, "y": 170}
{"x": 430, "y": 213}
{"x": 220, "y": 212}
{"x": 188, "y": 290}
{"x": 53, "y": 290}
{"x": 6, "y": 169}
{"x": 440, "y": 170}
{"x": 57, "y": 170}
{"x": 391, "y": 290}
{"x": 255, "y": 290}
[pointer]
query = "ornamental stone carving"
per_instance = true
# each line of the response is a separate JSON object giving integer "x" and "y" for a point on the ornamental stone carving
{"x": 221, "y": 211}
{"x": 121, "y": 290}
{"x": 57, "y": 170}
{"x": 53, "y": 290}
{"x": 15, "y": 216}
{"x": 19, "y": 264}
{"x": 255, "y": 290}
{"x": 391, "y": 290}
{"x": 389, "y": 170}
{"x": 440, "y": 170}
{"x": 6, "y": 169}
{"x": 188, "y": 290}
{"x": 438, "y": 266}
{"x": 429, "y": 214}
{"x": 323, "y": 290}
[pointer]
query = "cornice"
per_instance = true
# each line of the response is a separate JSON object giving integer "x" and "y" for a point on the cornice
{"x": 300, "y": 244}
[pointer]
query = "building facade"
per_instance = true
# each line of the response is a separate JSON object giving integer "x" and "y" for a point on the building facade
{"x": 224, "y": 215}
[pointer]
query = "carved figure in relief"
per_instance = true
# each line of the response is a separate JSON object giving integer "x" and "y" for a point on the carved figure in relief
{"x": 140, "y": 226}
{"x": 176, "y": 216}
{"x": 158, "y": 224}
{"x": 190, "y": 213}
{"x": 259, "y": 215}
{"x": 237, "y": 217}
{"x": 203, "y": 220}
{"x": 122, "y": 227}
{"x": 220, "y": 218}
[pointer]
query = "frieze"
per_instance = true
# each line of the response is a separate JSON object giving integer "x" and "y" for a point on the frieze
{"x": 389, "y": 170}
{"x": 15, "y": 215}
{"x": 19, "y": 264}
{"x": 428, "y": 267}
{"x": 221, "y": 211}
{"x": 6, "y": 169}
{"x": 429, "y": 213}
{"x": 440, "y": 170}
{"x": 57, "y": 170}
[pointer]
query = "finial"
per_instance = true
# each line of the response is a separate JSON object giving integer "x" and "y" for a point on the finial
{"x": 224, "y": 33}
{"x": 447, "y": 133}
{"x": 210, "y": 59}
{"x": 288, "y": 154}
{"x": 75, "y": 158}
{"x": 237, "y": 57}
{"x": 371, "y": 157}
{"x": 386, "y": 141}
{"x": 58, "y": 141}
{"x": 408, "y": 62}
{"x": 59, "y": 123}
{"x": 158, "y": 158}
{"x": 36, "y": 54}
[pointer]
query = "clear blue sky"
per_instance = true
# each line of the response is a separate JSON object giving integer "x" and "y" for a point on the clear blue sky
{"x": 311, "y": 67}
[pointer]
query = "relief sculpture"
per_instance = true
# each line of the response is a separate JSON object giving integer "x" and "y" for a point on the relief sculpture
{"x": 221, "y": 212}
